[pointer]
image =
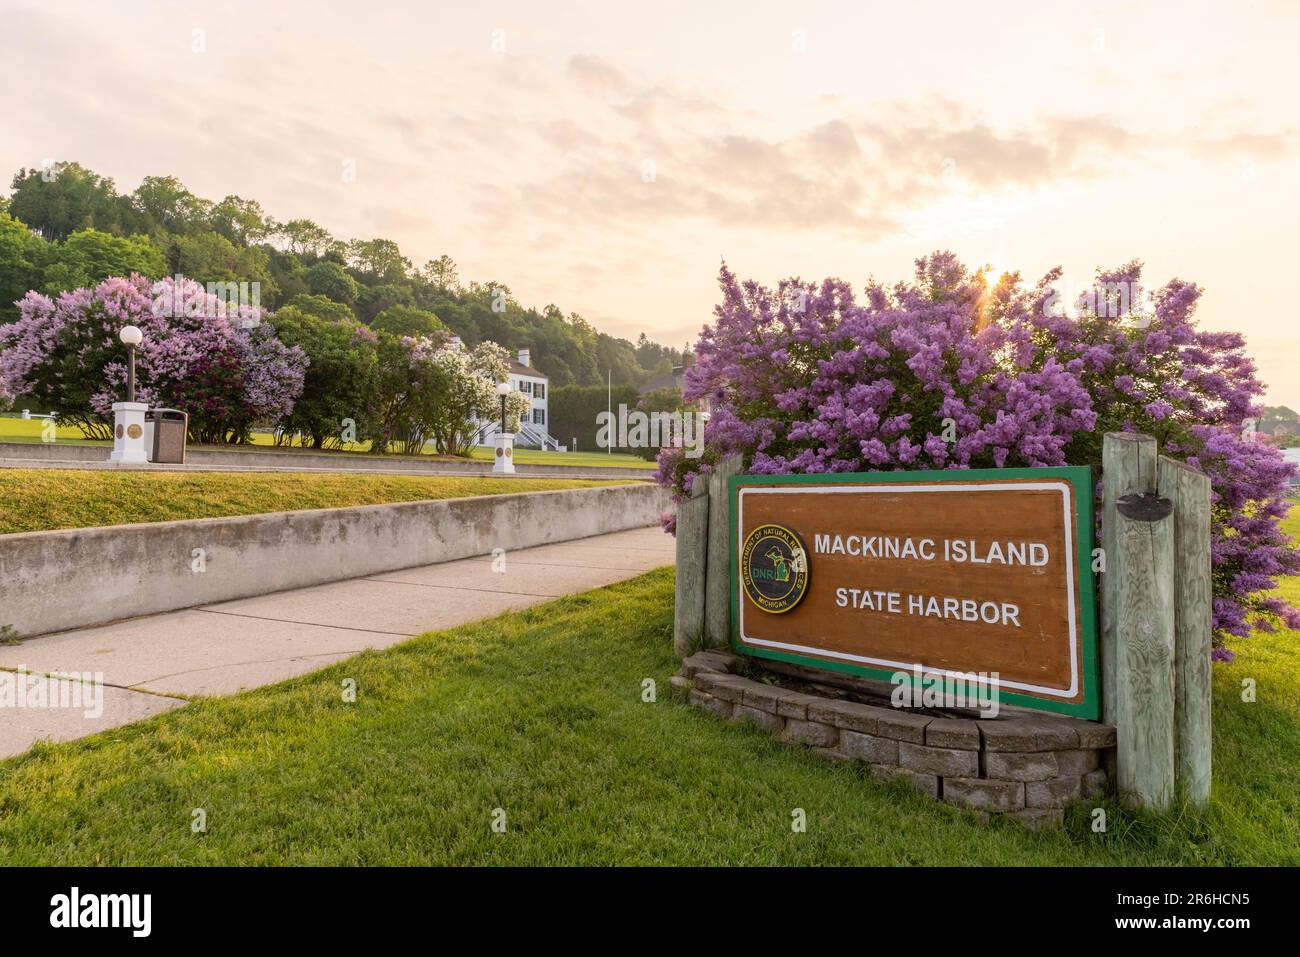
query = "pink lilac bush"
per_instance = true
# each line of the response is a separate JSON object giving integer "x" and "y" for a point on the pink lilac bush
{"x": 946, "y": 372}
{"x": 225, "y": 368}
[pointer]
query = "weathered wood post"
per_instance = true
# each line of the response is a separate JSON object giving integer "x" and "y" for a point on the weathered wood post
{"x": 717, "y": 599}
{"x": 692, "y": 561}
{"x": 1189, "y": 490}
{"x": 1143, "y": 570}
{"x": 1128, "y": 465}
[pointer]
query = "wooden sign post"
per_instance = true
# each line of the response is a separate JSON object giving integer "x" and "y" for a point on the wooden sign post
{"x": 976, "y": 574}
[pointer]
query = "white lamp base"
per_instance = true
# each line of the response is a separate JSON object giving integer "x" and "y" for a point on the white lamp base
{"x": 129, "y": 434}
{"x": 505, "y": 457}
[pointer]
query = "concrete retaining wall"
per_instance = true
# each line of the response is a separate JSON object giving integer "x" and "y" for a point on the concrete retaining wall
{"x": 52, "y": 581}
{"x": 327, "y": 461}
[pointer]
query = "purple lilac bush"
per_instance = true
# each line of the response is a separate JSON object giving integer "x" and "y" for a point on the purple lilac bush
{"x": 949, "y": 372}
{"x": 222, "y": 365}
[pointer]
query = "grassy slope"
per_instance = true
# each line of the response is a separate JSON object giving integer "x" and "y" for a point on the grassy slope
{"x": 41, "y": 499}
{"x": 29, "y": 430}
{"x": 539, "y": 713}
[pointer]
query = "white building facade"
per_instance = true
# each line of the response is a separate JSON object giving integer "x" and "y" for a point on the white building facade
{"x": 534, "y": 429}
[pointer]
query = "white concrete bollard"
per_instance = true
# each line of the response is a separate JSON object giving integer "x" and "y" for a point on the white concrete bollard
{"x": 128, "y": 434}
{"x": 505, "y": 458}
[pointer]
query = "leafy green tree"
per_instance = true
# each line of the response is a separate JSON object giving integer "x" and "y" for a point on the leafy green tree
{"x": 619, "y": 358}
{"x": 322, "y": 308}
{"x": 409, "y": 321}
{"x": 378, "y": 260}
{"x": 211, "y": 257}
{"x": 339, "y": 386}
{"x": 574, "y": 410}
{"x": 166, "y": 205}
{"x": 441, "y": 274}
{"x": 372, "y": 300}
{"x": 240, "y": 220}
{"x": 331, "y": 280}
{"x": 288, "y": 273}
{"x": 60, "y": 199}
{"x": 302, "y": 237}
{"x": 90, "y": 256}
{"x": 22, "y": 258}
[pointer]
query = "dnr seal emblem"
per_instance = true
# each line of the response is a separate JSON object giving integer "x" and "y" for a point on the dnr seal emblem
{"x": 774, "y": 568}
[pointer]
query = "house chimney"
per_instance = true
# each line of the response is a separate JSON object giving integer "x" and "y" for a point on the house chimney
{"x": 524, "y": 355}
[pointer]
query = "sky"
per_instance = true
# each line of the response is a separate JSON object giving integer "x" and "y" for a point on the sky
{"x": 608, "y": 156}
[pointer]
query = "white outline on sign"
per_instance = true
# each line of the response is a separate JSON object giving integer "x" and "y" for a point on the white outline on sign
{"x": 1009, "y": 486}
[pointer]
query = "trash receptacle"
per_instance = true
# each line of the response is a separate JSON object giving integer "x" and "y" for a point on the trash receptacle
{"x": 169, "y": 430}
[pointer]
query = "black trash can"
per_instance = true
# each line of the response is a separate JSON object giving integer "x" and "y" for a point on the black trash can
{"x": 170, "y": 427}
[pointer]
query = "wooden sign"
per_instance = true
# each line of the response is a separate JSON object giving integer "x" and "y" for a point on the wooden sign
{"x": 981, "y": 575}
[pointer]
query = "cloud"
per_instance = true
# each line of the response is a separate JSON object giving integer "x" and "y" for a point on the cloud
{"x": 596, "y": 74}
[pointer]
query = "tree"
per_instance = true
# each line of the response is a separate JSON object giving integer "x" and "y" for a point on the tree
{"x": 426, "y": 392}
{"x": 378, "y": 260}
{"x": 166, "y": 205}
{"x": 322, "y": 308}
{"x": 302, "y": 237}
{"x": 372, "y": 300}
{"x": 240, "y": 220}
{"x": 574, "y": 409}
{"x": 440, "y": 273}
{"x": 22, "y": 258}
{"x": 89, "y": 256}
{"x": 211, "y": 257}
{"x": 287, "y": 273}
{"x": 339, "y": 385}
{"x": 331, "y": 280}
{"x": 948, "y": 372}
{"x": 617, "y": 357}
{"x": 409, "y": 321}
{"x": 457, "y": 388}
{"x": 62, "y": 198}
{"x": 65, "y": 354}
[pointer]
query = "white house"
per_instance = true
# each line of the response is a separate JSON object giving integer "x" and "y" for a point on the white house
{"x": 534, "y": 430}
{"x": 1293, "y": 456}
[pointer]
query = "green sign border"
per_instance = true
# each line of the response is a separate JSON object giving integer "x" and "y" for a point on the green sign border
{"x": 1079, "y": 477}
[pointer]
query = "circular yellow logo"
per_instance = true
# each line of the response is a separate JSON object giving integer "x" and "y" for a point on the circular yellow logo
{"x": 774, "y": 568}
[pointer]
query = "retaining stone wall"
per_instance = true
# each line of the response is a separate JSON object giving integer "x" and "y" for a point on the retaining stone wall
{"x": 1023, "y": 766}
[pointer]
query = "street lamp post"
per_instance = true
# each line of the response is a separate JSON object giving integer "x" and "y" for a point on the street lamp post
{"x": 132, "y": 337}
{"x": 128, "y": 416}
{"x": 505, "y": 457}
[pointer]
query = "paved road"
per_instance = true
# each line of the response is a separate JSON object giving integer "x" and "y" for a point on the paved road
{"x": 152, "y": 664}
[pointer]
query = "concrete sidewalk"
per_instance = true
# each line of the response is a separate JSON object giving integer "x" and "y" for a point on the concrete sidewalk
{"x": 150, "y": 664}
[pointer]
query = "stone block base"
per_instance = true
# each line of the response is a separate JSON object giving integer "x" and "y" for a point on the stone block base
{"x": 1021, "y": 766}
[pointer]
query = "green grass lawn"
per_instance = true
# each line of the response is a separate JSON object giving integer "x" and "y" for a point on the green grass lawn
{"x": 540, "y": 714}
{"x": 30, "y": 431}
{"x": 34, "y": 500}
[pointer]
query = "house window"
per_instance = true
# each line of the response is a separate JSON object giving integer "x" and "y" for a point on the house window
{"x": 539, "y": 416}
{"x": 539, "y": 390}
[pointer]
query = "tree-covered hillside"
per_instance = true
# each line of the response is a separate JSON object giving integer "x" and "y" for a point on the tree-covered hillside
{"x": 66, "y": 227}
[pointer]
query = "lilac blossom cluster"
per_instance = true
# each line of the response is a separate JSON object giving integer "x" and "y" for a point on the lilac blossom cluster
{"x": 226, "y": 371}
{"x": 948, "y": 371}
